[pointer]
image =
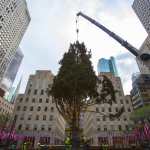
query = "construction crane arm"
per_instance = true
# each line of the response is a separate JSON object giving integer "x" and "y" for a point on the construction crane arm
{"x": 124, "y": 43}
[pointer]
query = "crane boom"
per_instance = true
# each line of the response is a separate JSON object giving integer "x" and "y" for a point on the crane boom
{"x": 124, "y": 43}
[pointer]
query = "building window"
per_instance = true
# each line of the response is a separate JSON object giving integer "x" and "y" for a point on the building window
{"x": 40, "y": 100}
{"x": 20, "y": 100}
{"x": 18, "y": 108}
{"x": 47, "y": 100}
{"x": 22, "y": 117}
{"x": 49, "y": 128}
{"x": 109, "y": 109}
{"x": 105, "y": 128}
{"x": 129, "y": 110}
{"x": 31, "y": 108}
{"x": 35, "y": 127}
{"x": 50, "y": 117}
{"x": 27, "y": 127}
{"x": 127, "y": 101}
{"x": 35, "y": 92}
{"x": 121, "y": 101}
{"x": 44, "y": 117}
{"x": 97, "y": 110}
{"x": 37, "y": 117}
{"x": 45, "y": 109}
{"x": 24, "y": 108}
{"x": 116, "y": 109}
{"x": 20, "y": 127}
{"x": 33, "y": 100}
{"x": 125, "y": 119}
{"x": 42, "y": 92}
{"x": 98, "y": 129}
{"x": 111, "y": 118}
{"x": 119, "y": 127}
{"x": 98, "y": 119}
{"x": 27, "y": 99}
{"x": 30, "y": 85}
{"x": 39, "y": 108}
{"x": 104, "y": 118}
{"x": 29, "y": 91}
{"x": 42, "y": 127}
{"x": 29, "y": 118}
{"x": 127, "y": 127}
{"x": 52, "y": 109}
{"x": 103, "y": 109}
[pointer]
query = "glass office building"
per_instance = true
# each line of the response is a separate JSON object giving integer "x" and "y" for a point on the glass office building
{"x": 141, "y": 90}
{"x": 107, "y": 65}
{"x": 12, "y": 70}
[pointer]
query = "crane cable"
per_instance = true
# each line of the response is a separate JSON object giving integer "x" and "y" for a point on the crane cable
{"x": 77, "y": 28}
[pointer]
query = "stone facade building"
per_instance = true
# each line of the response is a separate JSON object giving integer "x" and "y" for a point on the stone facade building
{"x": 97, "y": 126}
{"x": 35, "y": 113}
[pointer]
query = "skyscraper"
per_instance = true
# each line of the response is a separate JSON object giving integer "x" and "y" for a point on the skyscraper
{"x": 141, "y": 90}
{"x": 14, "y": 20}
{"x": 6, "y": 107}
{"x": 107, "y": 65}
{"x": 12, "y": 70}
{"x": 142, "y": 10}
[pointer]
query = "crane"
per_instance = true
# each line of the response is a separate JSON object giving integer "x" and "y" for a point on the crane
{"x": 143, "y": 57}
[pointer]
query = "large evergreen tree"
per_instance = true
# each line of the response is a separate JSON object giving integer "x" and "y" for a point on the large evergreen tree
{"x": 75, "y": 87}
{"x": 75, "y": 82}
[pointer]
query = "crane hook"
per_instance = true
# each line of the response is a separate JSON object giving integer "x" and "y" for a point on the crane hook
{"x": 77, "y": 28}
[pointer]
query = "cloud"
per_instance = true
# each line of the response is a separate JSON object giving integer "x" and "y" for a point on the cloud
{"x": 126, "y": 67}
{"x": 52, "y": 28}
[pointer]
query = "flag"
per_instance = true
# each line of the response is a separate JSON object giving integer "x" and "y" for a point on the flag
{"x": 147, "y": 131}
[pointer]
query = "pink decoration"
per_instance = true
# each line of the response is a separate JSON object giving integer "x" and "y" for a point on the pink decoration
{"x": 13, "y": 136}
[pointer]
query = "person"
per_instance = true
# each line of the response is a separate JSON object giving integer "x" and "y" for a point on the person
{"x": 68, "y": 144}
{"x": 24, "y": 146}
{"x": 13, "y": 147}
{"x": 38, "y": 145}
{"x": 104, "y": 146}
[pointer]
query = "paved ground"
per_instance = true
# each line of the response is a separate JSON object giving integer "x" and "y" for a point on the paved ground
{"x": 94, "y": 148}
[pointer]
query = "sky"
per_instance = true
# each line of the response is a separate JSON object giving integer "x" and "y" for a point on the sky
{"x": 53, "y": 28}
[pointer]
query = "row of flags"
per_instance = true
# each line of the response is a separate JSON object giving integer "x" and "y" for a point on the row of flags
{"x": 10, "y": 135}
{"x": 143, "y": 132}
{"x": 15, "y": 137}
{"x": 138, "y": 135}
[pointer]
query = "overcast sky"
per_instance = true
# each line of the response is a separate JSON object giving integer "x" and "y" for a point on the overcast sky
{"x": 52, "y": 29}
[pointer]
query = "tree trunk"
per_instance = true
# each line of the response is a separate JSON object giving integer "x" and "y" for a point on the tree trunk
{"x": 75, "y": 139}
{"x": 75, "y": 133}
